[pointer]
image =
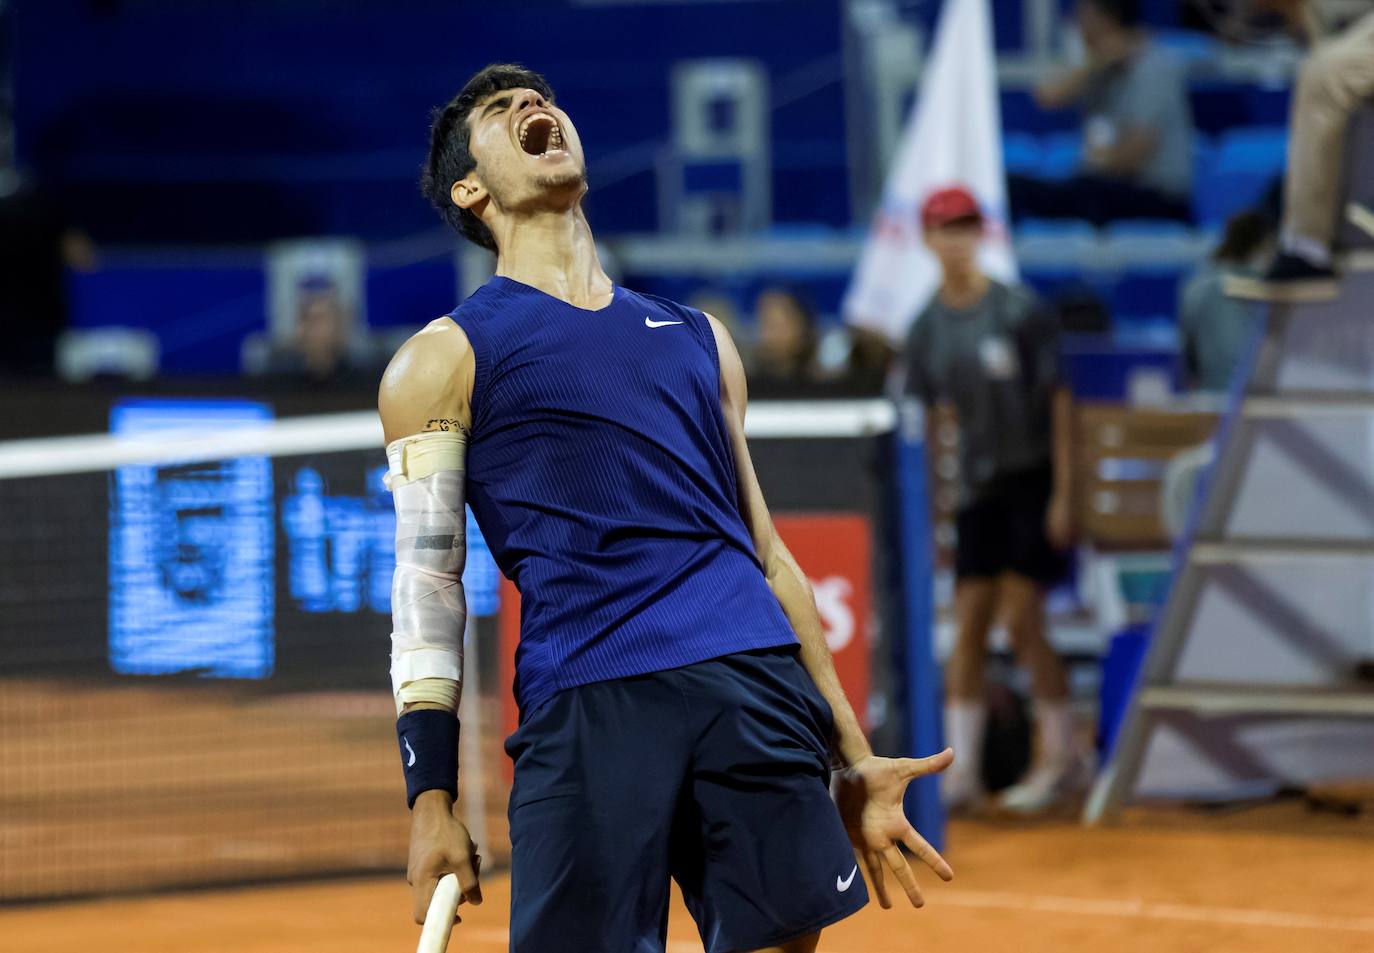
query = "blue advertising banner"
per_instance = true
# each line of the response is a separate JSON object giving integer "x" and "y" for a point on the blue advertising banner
{"x": 196, "y": 584}
{"x": 191, "y": 551}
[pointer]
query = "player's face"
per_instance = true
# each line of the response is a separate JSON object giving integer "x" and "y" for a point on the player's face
{"x": 526, "y": 148}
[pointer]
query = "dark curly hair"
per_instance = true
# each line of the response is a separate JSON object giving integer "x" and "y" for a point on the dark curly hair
{"x": 450, "y": 158}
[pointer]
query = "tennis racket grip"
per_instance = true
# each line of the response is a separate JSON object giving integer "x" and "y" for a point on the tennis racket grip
{"x": 439, "y": 920}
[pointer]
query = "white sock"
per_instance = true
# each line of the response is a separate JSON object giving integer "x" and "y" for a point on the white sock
{"x": 1315, "y": 253}
{"x": 1054, "y": 728}
{"x": 965, "y": 725}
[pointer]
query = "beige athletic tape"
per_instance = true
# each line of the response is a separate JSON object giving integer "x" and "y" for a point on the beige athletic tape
{"x": 434, "y": 691}
{"x": 416, "y": 457}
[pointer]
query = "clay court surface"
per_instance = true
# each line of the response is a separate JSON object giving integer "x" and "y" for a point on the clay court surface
{"x": 92, "y": 803}
{"x": 1270, "y": 879}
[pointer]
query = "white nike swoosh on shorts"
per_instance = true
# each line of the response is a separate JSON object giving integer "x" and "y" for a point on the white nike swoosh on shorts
{"x": 844, "y": 883}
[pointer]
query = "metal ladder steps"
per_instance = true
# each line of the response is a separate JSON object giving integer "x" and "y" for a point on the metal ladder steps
{"x": 1354, "y": 700}
{"x": 1307, "y": 404}
{"x": 1232, "y": 551}
{"x": 1361, "y": 216}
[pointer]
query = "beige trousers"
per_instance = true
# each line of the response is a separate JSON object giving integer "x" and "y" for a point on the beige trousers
{"x": 1331, "y": 84}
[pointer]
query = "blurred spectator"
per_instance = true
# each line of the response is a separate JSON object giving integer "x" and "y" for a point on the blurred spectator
{"x": 1137, "y": 126}
{"x": 1331, "y": 84}
{"x": 721, "y": 306}
{"x": 36, "y": 244}
{"x": 322, "y": 350}
{"x": 870, "y": 360}
{"x": 992, "y": 351}
{"x": 786, "y": 342}
{"x": 1216, "y": 328}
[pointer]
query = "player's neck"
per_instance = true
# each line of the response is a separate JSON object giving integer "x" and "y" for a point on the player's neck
{"x": 554, "y": 251}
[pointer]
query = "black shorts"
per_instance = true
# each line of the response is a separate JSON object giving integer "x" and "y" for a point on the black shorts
{"x": 715, "y": 775}
{"x": 1003, "y": 530}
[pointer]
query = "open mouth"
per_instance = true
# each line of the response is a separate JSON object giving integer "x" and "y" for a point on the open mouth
{"x": 540, "y": 135}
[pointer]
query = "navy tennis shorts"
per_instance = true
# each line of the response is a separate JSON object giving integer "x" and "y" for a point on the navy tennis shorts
{"x": 715, "y": 775}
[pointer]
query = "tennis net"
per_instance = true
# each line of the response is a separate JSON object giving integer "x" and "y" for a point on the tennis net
{"x": 193, "y": 641}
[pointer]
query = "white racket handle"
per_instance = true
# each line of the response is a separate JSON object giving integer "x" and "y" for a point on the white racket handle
{"x": 439, "y": 920}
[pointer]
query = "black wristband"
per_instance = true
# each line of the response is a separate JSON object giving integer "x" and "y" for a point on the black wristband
{"x": 429, "y": 752}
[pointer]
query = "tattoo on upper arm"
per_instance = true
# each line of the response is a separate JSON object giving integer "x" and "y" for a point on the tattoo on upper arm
{"x": 445, "y": 424}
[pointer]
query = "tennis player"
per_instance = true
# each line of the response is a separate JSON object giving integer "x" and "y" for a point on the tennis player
{"x": 679, "y": 708}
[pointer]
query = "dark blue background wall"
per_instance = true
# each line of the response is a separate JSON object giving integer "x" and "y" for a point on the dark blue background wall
{"x": 167, "y": 121}
{"x": 161, "y": 121}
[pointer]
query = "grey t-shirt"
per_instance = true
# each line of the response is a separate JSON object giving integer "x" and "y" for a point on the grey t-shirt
{"x": 1216, "y": 329}
{"x": 998, "y": 363}
{"x": 1150, "y": 90}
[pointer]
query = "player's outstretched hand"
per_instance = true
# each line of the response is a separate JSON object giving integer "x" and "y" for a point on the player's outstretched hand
{"x": 869, "y": 797}
{"x": 440, "y": 844}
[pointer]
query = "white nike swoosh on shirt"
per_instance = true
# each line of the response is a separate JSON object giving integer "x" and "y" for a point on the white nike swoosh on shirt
{"x": 651, "y": 323}
{"x": 843, "y": 883}
{"x": 411, "y": 762}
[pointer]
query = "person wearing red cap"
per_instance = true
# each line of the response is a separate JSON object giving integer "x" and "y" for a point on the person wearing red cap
{"x": 952, "y": 205}
{"x": 992, "y": 351}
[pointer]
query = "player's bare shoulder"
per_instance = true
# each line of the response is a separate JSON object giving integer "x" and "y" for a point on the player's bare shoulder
{"x": 428, "y": 383}
{"x": 734, "y": 389}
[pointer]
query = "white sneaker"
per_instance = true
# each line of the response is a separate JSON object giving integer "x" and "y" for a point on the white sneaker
{"x": 961, "y": 786}
{"x": 1045, "y": 787}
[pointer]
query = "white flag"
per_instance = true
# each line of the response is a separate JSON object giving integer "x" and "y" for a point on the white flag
{"x": 954, "y": 137}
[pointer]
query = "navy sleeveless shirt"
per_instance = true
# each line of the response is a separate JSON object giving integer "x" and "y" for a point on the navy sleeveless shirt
{"x": 600, "y": 471}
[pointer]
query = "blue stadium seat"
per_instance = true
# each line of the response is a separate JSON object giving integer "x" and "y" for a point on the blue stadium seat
{"x": 1053, "y": 282}
{"x": 1161, "y": 14}
{"x": 1018, "y": 110}
{"x": 1204, "y": 157}
{"x": 1047, "y": 282}
{"x": 204, "y": 305}
{"x": 1104, "y": 370}
{"x": 825, "y": 289}
{"x": 1218, "y": 105}
{"x": 1258, "y": 147}
{"x": 1062, "y": 153}
{"x": 1021, "y": 153}
{"x": 802, "y": 231}
{"x": 1159, "y": 334}
{"x": 1267, "y": 105}
{"x": 1146, "y": 296}
{"x": 1055, "y": 245}
{"x": 1189, "y": 45}
{"x": 1008, "y": 25}
{"x": 1058, "y": 228}
{"x": 1021, "y": 113}
{"x": 1247, "y": 162}
{"x": 1222, "y": 105}
{"x": 1145, "y": 229}
{"x": 1151, "y": 244}
{"x": 403, "y": 294}
{"x": 725, "y": 176}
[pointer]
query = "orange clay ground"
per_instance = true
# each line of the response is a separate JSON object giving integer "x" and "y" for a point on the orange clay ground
{"x": 1270, "y": 879}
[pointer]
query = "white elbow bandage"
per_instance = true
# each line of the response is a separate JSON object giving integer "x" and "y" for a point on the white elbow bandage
{"x": 428, "y": 611}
